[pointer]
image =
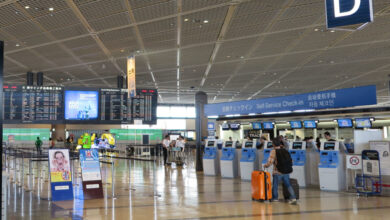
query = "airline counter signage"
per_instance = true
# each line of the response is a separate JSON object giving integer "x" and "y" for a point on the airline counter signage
{"x": 348, "y": 12}
{"x": 60, "y": 175}
{"x": 91, "y": 175}
{"x": 341, "y": 98}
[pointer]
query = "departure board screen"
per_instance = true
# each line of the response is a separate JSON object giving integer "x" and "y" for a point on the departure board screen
{"x": 115, "y": 106}
{"x": 33, "y": 104}
{"x": 144, "y": 106}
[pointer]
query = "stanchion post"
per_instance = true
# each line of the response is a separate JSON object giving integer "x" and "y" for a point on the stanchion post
{"x": 22, "y": 174}
{"x": 112, "y": 179}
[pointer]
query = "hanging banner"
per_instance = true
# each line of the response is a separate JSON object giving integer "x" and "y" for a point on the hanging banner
{"x": 341, "y": 98}
{"x": 60, "y": 175}
{"x": 348, "y": 12}
{"x": 131, "y": 76}
{"x": 91, "y": 175}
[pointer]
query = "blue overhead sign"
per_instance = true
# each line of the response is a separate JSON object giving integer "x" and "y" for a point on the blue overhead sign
{"x": 341, "y": 98}
{"x": 348, "y": 12}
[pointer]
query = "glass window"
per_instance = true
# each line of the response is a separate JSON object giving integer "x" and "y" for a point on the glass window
{"x": 163, "y": 111}
{"x": 178, "y": 112}
{"x": 191, "y": 112}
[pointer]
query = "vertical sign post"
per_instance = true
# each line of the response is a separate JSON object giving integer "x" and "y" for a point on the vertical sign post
{"x": 91, "y": 175}
{"x": 131, "y": 76}
{"x": 60, "y": 175}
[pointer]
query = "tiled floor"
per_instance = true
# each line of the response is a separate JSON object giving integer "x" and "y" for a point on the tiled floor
{"x": 175, "y": 193}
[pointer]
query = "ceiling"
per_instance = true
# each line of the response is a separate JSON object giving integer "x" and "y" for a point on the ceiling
{"x": 231, "y": 49}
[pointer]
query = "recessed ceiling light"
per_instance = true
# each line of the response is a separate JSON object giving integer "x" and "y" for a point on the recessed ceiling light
{"x": 242, "y": 57}
{"x": 51, "y": 9}
{"x": 17, "y": 45}
{"x": 122, "y": 50}
{"x": 332, "y": 31}
{"x": 186, "y": 19}
{"x": 228, "y": 56}
{"x": 316, "y": 29}
{"x": 206, "y": 21}
{"x": 26, "y": 7}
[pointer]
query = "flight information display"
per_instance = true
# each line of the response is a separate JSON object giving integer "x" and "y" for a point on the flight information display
{"x": 144, "y": 106}
{"x": 115, "y": 106}
{"x": 33, "y": 104}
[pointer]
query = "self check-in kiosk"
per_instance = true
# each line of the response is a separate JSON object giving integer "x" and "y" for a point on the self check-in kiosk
{"x": 229, "y": 160}
{"x": 298, "y": 156}
{"x": 249, "y": 159}
{"x": 211, "y": 158}
{"x": 331, "y": 168}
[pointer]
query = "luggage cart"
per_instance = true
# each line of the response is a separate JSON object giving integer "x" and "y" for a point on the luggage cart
{"x": 175, "y": 155}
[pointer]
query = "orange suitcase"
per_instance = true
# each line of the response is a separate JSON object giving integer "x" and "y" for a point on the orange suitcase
{"x": 261, "y": 186}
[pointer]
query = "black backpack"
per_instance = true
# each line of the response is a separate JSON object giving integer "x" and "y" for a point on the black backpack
{"x": 284, "y": 161}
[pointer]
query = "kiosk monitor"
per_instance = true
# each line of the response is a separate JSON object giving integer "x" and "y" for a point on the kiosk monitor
{"x": 235, "y": 126}
{"x": 329, "y": 145}
{"x": 269, "y": 145}
{"x": 210, "y": 143}
{"x": 225, "y": 126}
{"x": 248, "y": 144}
{"x": 229, "y": 144}
{"x": 297, "y": 145}
{"x": 256, "y": 125}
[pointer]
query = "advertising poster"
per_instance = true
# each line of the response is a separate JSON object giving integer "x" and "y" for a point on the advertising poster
{"x": 60, "y": 175}
{"x": 90, "y": 165}
{"x": 90, "y": 172}
{"x": 131, "y": 76}
{"x": 81, "y": 105}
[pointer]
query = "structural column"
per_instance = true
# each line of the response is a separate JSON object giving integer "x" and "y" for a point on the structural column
{"x": 200, "y": 126}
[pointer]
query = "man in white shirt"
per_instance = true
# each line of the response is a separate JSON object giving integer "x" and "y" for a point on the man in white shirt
{"x": 166, "y": 142}
{"x": 180, "y": 143}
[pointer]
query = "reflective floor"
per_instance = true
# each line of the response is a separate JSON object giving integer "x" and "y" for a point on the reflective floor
{"x": 169, "y": 193}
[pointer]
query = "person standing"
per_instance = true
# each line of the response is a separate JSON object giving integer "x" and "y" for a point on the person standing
{"x": 328, "y": 136}
{"x": 165, "y": 144}
{"x": 38, "y": 145}
{"x": 282, "y": 162}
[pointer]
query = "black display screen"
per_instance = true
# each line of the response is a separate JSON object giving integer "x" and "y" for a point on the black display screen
{"x": 269, "y": 145}
{"x": 248, "y": 144}
{"x": 297, "y": 145}
{"x": 210, "y": 143}
{"x": 228, "y": 143}
{"x": 115, "y": 106}
{"x": 33, "y": 104}
{"x": 329, "y": 145}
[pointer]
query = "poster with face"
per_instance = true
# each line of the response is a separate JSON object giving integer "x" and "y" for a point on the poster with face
{"x": 59, "y": 165}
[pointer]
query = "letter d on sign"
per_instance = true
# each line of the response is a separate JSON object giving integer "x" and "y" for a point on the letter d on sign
{"x": 337, "y": 10}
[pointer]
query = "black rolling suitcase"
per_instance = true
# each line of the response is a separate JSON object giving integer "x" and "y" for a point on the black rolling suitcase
{"x": 295, "y": 186}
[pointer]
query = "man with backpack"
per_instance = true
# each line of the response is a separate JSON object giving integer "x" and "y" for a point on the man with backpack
{"x": 282, "y": 162}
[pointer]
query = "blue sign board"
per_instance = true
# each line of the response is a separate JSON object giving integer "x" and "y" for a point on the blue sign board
{"x": 210, "y": 126}
{"x": 310, "y": 124}
{"x": 341, "y": 98}
{"x": 348, "y": 12}
{"x": 296, "y": 124}
{"x": 81, "y": 105}
{"x": 345, "y": 123}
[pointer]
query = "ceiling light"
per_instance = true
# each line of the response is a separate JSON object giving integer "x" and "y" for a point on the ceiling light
{"x": 186, "y": 19}
{"x": 332, "y": 31}
{"x": 51, "y": 9}
{"x": 228, "y": 56}
{"x": 122, "y": 50}
{"x": 26, "y": 7}
{"x": 242, "y": 57}
{"x": 316, "y": 29}
{"x": 17, "y": 45}
{"x": 206, "y": 21}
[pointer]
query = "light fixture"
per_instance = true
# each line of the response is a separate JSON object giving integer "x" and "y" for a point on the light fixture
{"x": 26, "y": 7}
{"x": 332, "y": 31}
{"x": 51, "y": 9}
{"x": 372, "y": 119}
{"x": 228, "y": 56}
{"x": 122, "y": 50}
{"x": 316, "y": 29}
{"x": 206, "y": 21}
{"x": 17, "y": 45}
{"x": 242, "y": 57}
{"x": 186, "y": 19}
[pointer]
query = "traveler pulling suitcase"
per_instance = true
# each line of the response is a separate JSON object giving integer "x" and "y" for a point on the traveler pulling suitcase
{"x": 295, "y": 186}
{"x": 261, "y": 186}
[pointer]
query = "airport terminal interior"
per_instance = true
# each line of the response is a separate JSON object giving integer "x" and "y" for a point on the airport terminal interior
{"x": 195, "y": 109}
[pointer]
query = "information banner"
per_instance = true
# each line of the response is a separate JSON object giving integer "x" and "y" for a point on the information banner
{"x": 131, "y": 76}
{"x": 60, "y": 175}
{"x": 341, "y": 98}
{"x": 371, "y": 165}
{"x": 91, "y": 175}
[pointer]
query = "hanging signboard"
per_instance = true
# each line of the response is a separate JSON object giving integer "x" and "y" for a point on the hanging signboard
{"x": 60, "y": 175}
{"x": 91, "y": 175}
{"x": 348, "y": 12}
{"x": 341, "y": 98}
{"x": 131, "y": 76}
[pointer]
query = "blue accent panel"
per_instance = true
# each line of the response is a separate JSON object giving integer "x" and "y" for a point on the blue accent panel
{"x": 267, "y": 152}
{"x": 60, "y": 195}
{"x": 329, "y": 159}
{"x": 210, "y": 153}
{"x": 341, "y": 98}
{"x": 228, "y": 153}
{"x": 298, "y": 157}
{"x": 248, "y": 155}
{"x": 362, "y": 15}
